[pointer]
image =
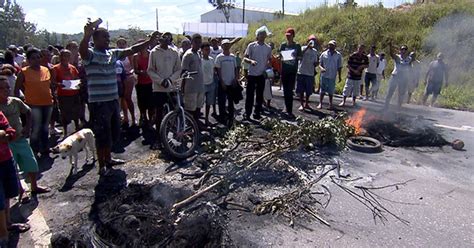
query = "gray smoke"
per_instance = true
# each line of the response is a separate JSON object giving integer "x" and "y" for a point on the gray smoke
{"x": 453, "y": 35}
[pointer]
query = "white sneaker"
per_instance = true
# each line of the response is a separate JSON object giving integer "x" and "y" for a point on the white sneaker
{"x": 55, "y": 130}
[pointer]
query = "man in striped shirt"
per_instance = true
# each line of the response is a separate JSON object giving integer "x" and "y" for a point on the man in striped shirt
{"x": 99, "y": 63}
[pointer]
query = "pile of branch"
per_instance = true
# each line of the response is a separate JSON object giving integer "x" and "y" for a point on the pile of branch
{"x": 240, "y": 152}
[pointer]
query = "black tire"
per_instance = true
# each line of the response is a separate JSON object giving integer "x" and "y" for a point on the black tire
{"x": 192, "y": 141}
{"x": 364, "y": 144}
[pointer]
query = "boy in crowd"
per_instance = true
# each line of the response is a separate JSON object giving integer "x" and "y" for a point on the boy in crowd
{"x": 12, "y": 108}
{"x": 356, "y": 64}
{"x": 193, "y": 88}
{"x": 228, "y": 71}
{"x": 208, "y": 79}
{"x": 306, "y": 72}
{"x": 371, "y": 74}
{"x": 8, "y": 182}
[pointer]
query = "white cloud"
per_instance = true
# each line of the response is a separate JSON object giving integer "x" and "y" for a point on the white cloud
{"x": 124, "y": 2}
{"x": 36, "y": 15}
{"x": 84, "y": 12}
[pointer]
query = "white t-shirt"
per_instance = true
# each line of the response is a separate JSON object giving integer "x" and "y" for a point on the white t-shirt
{"x": 227, "y": 64}
{"x": 373, "y": 61}
{"x": 208, "y": 70}
{"x": 307, "y": 63}
{"x": 261, "y": 54}
{"x": 215, "y": 52}
{"x": 381, "y": 67}
{"x": 402, "y": 65}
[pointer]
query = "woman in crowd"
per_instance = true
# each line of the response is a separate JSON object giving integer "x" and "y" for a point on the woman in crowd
{"x": 144, "y": 86}
{"x": 128, "y": 84}
{"x": 35, "y": 82}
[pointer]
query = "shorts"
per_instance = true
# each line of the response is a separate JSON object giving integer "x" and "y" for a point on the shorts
{"x": 193, "y": 101}
{"x": 304, "y": 84}
{"x": 23, "y": 155}
{"x": 328, "y": 85}
{"x": 433, "y": 87}
{"x": 70, "y": 107}
{"x": 144, "y": 96}
{"x": 9, "y": 184}
{"x": 105, "y": 122}
{"x": 351, "y": 88}
{"x": 210, "y": 94}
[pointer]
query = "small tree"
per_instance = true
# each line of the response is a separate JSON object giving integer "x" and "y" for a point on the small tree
{"x": 224, "y": 5}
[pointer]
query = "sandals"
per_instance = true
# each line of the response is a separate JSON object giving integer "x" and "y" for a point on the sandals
{"x": 18, "y": 227}
{"x": 40, "y": 190}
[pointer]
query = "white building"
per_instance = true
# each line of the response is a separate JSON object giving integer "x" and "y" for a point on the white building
{"x": 251, "y": 15}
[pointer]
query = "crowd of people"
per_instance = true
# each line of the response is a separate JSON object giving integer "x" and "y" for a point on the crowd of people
{"x": 40, "y": 88}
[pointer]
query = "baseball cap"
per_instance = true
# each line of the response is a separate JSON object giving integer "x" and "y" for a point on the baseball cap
{"x": 12, "y": 47}
{"x": 312, "y": 37}
{"x": 290, "y": 31}
{"x": 332, "y": 42}
{"x": 225, "y": 41}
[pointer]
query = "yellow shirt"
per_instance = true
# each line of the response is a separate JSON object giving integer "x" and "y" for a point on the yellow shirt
{"x": 37, "y": 86}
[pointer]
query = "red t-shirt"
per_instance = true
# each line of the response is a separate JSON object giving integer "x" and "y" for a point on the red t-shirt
{"x": 5, "y": 152}
{"x": 142, "y": 64}
{"x": 65, "y": 73}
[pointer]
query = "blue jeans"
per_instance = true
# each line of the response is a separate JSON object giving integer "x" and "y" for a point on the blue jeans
{"x": 40, "y": 115}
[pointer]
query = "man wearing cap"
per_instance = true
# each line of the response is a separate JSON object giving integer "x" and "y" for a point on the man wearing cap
{"x": 258, "y": 54}
{"x": 228, "y": 71}
{"x": 400, "y": 75}
{"x": 437, "y": 71}
{"x": 414, "y": 77}
{"x": 290, "y": 53}
{"x": 306, "y": 72}
{"x": 19, "y": 59}
{"x": 330, "y": 64}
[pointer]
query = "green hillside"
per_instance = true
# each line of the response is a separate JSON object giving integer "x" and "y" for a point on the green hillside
{"x": 427, "y": 28}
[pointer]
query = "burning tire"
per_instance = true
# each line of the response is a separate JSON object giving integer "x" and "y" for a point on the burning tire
{"x": 364, "y": 144}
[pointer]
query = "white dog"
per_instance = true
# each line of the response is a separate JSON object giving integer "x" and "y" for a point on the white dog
{"x": 74, "y": 143}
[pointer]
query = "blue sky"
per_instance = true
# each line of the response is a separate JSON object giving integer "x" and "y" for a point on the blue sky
{"x": 69, "y": 16}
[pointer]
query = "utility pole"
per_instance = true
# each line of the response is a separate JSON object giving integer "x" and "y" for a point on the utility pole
{"x": 282, "y": 9}
{"x": 157, "y": 26}
{"x": 243, "y": 12}
{"x": 107, "y": 25}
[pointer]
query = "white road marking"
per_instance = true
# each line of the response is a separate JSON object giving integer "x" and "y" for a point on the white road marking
{"x": 39, "y": 232}
{"x": 462, "y": 128}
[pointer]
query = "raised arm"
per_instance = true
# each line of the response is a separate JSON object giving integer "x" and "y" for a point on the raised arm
{"x": 140, "y": 46}
{"x": 84, "y": 45}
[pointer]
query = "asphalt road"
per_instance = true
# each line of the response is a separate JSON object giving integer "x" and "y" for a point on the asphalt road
{"x": 439, "y": 203}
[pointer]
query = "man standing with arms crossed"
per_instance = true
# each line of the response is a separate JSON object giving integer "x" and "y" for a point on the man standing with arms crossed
{"x": 99, "y": 63}
{"x": 330, "y": 64}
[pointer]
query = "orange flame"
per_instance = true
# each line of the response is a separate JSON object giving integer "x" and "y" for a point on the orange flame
{"x": 356, "y": 120}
